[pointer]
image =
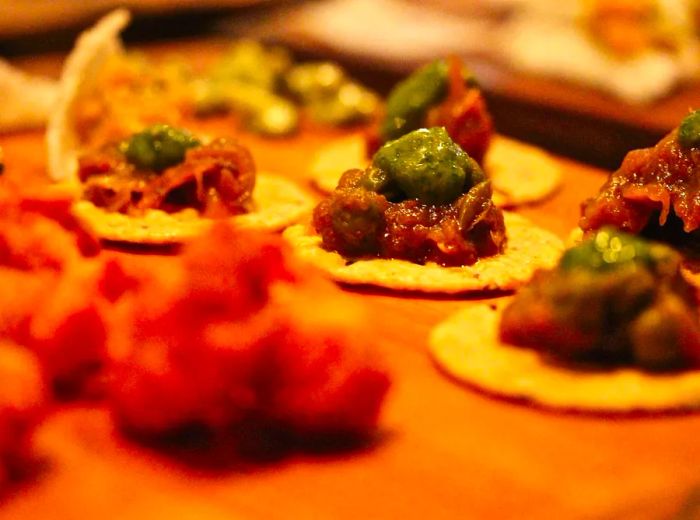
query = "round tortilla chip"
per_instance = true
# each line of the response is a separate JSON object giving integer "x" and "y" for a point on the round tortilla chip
{"x": 277, "y": 203}
{"x": 529, "y": 248}
{"x": 520, "y": 173}
{"x": 331, "y": 161}
{"x": 93, "y": 48}
{"x": 467, "y": 347}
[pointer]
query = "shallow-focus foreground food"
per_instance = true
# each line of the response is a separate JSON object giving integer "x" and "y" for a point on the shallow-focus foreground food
{"x": 655, "y": 191}
{"x": 444, "y": 94}
{"x": 49, "y": 300}
{"x": 51, "y": 333}
{"x": 423, "y": 205}
{"x": 164, "y": 185}
{"x": 220, "y": 340}
{"x": 613, "y": 328}
{"x": 219, "y": 336}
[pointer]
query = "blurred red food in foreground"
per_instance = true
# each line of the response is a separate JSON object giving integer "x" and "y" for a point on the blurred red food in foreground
{"x": 230, "y": 331}
{"x": 21, "y": 407}
{"x": 235, "y": 330}
{"x": 49, "y": 302}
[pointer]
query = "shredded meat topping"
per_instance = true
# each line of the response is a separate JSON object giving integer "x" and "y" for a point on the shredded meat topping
{"x": 216, "y": 179}
{"x": 653, "y": 187}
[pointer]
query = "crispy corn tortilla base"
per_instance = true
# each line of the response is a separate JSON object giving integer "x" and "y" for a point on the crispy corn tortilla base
{"x": 93, "y": 48}
{"x": 332, "y": 160}
{"x": 467, "y": 347}
{"x": 278, "y": 203}
{"x": 520, "y": 173}
{"x": 529, "y": 248}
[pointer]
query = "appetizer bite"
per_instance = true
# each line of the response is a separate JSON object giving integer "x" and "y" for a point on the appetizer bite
{"x": 444, "y": 94}
{"x": 143, "y": 180}
{"x": 164, "y": 185}
{"x": 242, "y": 319}
{"x": 221, "y": 340}
{"x": 655, "y": 190}
{"x": 421, "y": 217}
{"x": 614, "y": 328}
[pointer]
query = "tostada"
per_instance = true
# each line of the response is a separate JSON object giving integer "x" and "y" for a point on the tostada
{"x": 140, "y": 177}
{"x": 421, "y": 218}
{"x": 613, "y": 328}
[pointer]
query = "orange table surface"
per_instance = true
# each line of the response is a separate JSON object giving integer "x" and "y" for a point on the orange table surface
{"x": 445, "y": 451}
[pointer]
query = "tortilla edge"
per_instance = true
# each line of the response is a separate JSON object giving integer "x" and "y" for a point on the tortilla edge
{"x": 182, "y": 226}
{"x": 402, "y": 275}
{"x": 509, "y": 374}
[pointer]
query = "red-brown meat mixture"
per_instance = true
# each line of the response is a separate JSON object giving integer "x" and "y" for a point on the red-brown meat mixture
{"x": 372, "y": 226}
{"x": 215, "y": 179}
{"x": 654, "y": 187}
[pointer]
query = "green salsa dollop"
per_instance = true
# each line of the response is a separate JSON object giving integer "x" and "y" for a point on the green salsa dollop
{"x": 158, "y": 147}
{"x": 427, "y": 165}
{"x": 689, "y": 130}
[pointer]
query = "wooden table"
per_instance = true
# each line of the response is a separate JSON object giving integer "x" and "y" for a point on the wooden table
{"x": 445, "y": 451}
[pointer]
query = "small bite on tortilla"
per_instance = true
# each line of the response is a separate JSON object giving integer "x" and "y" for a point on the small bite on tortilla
{"x": 467, "y": 347}
{"x": 529, "y": 248}
{"x": 520, "y": 173}
{"x": 277, "y": 203}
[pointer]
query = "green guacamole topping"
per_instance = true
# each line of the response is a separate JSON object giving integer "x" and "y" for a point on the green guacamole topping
{"x": 158, "y": 147}
{"x": 426, "y": 165}
{"x": 689, "y": 130}
{"x": 611, "y": 249}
